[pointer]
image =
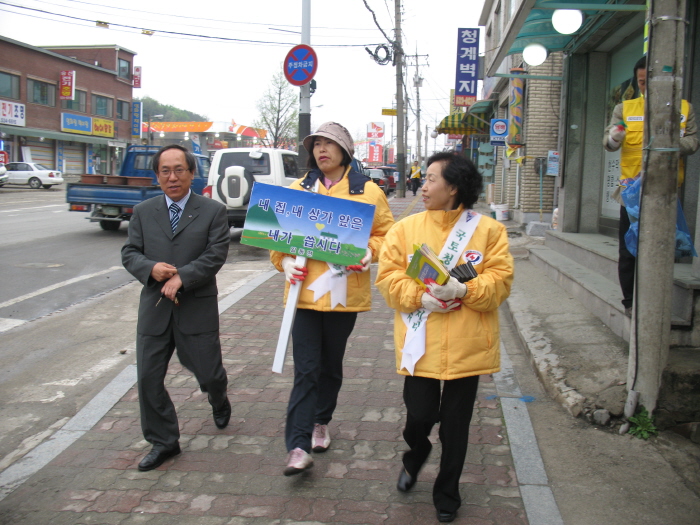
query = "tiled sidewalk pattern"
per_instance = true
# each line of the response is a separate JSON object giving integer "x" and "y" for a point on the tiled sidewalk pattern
{"x": 234, "y": 476}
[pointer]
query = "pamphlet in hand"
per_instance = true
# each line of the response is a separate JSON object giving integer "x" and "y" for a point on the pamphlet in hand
{"x": 426, "y": 266}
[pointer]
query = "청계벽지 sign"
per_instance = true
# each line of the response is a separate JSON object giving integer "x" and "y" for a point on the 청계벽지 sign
{"x": 308, "y": 224}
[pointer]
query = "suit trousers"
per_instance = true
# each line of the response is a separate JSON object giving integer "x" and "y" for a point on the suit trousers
{"x": 452, "y": 408}
{"x": 318, "y": 346}
{"x": 199, "y": 353}
{"x": 626, "y": 262}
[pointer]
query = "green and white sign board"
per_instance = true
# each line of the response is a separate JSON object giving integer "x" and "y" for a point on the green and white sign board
{"x": 307, "y": 224}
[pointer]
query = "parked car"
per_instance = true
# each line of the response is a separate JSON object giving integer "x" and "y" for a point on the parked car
{"x": 234, "y": 171}
{"x": 36, "y": 175}
{"x": 3, "y": 175}
{"x": 391, "y": 177}
{"x": 380, "y": 178}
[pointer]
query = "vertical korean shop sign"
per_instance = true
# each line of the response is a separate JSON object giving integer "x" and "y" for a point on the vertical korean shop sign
{"x": 67, "y": 85}
{"x": 467, "y": 66}
{"x": 137, "y": 76}
{"x": 136, "y": 120}
{"x": 307, "y": 224}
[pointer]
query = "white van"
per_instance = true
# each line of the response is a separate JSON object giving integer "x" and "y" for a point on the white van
{"x": 234, "y": 170}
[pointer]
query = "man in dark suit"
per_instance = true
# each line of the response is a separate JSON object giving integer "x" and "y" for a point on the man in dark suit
{"x": 177, "y": 243}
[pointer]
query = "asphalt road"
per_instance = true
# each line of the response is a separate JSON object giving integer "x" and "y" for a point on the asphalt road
{"x": 68, "y": 312}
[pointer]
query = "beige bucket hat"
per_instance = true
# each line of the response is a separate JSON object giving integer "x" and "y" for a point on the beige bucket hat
{"x": 335, "y": 132}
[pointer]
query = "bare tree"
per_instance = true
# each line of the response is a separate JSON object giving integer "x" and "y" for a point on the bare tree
{"x": 279, "y": 113}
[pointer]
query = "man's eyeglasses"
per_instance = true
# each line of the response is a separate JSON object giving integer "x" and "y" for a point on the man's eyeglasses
{"x": 177, "y": 171}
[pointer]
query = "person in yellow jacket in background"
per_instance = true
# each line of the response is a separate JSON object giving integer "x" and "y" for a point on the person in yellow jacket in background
{"x": 415, "y": 177}
{"x": 445, "y": 333}
{"x": 322, "y": 326}
{"x": 626, "y": 133}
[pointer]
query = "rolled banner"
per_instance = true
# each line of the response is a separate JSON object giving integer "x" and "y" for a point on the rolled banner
{"x": 515, "y": 131}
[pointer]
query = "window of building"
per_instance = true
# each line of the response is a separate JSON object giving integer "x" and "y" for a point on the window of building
{"x": 41, "y": 92}
{"x": 123, "y": 110}
{"x": 9, "y": 85}
{"x": 124, "y": 70}
{"x": 102, "y": 106}
{"x": 77, "y": 104}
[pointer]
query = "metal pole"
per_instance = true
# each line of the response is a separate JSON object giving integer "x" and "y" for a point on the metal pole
{"x": 305, "y": 92}
{"x": 400, "y": 143}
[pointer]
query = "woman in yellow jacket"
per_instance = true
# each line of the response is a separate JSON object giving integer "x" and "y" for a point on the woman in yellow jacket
{"x": 322, "y": 325}
{"x": 447, "y": 332}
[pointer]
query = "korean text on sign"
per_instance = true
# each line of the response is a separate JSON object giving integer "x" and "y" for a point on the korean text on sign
{"x": 467, "y": 66}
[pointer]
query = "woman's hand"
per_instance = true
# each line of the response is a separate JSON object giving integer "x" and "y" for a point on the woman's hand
{"x": 433, "y": 304}
{"x": 293, "y": 273}
{"x": 364, "y": 263}
{"x": 452, "y": 289}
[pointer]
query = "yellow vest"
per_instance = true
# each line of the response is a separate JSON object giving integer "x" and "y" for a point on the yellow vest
{"x": 631, "y": 151}
{"x": 415, "y": 172}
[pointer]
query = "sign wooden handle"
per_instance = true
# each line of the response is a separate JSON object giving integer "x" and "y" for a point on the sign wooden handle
{"x": 290, "y": 311}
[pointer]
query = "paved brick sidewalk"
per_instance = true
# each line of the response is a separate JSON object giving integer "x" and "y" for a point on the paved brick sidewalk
{"x": 234, "y": 476}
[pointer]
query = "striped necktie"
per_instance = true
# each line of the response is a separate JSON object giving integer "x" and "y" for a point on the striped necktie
{"x": 174, "y": 216}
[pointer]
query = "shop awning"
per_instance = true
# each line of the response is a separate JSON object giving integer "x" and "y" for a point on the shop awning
{"x": 56, "y": 135}
{"x": 460, "y": 124}
{"x": 481, "y": 106}
{"x": 532, "y": 23}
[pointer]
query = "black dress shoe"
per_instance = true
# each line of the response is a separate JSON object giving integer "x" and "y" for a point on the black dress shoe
{"x": 405, "y": 482}
{"x": 446, "y": 517}
{"x": 222, "y": 415}
{"x": 155, "y": 458}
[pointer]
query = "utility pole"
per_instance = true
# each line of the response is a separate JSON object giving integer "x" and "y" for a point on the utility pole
{"x": 398, "y": 62}
{"x": 305, "y": 90}
{"x": 651, "y": 318}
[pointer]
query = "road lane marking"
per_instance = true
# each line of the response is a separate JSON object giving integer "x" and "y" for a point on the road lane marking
{"x": 56, "y": 286}
{"x": 7, "y": 323}
{"x": 32, "y": 208}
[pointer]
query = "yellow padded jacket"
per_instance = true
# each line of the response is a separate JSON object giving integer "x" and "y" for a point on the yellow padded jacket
{"x": 359, "y": 296}
{"x": 464, "y": 342}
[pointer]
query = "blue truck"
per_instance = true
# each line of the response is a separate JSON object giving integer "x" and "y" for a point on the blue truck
{"x": 110, "y": 204}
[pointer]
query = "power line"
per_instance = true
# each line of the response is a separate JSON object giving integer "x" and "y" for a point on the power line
{"x": 159, "y": 32}
{"x": 131, "y": 11}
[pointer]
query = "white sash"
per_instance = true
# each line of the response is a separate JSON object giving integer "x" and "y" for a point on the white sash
{"x": 334, "y": 280}
{"x": 414, "y": 344}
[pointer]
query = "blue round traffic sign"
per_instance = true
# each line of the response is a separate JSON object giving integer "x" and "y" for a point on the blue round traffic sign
{"x": 300, "y": 65}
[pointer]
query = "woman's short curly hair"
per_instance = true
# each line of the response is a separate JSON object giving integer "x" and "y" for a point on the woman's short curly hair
{"x": 460, "y": 172}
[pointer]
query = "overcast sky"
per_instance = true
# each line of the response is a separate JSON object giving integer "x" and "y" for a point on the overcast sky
{"x": 224, "y": 79}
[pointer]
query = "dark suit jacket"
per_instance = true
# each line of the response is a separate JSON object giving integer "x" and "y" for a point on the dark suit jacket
{"x": 198, "y": 250}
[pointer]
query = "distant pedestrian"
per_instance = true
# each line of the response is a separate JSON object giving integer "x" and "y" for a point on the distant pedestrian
{"x": 415, "y": 177}
{"x": 445, "y": 333}
{"x": 322, "y": 326}
{"x": 177, "y": 244}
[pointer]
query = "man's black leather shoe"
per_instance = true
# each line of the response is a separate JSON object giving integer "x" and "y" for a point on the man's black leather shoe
{"x": 222, "y": 415}
{"x": 405, "y": 482}
{"x": 446, "y": 517}
{"x": 155, "y": 458}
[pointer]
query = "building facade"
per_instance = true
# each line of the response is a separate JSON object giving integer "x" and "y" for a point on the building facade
{"x": 40, "y": 122}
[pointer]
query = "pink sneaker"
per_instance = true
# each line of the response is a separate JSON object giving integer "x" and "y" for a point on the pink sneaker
{"x": 298, "y": 461}
{"x": 321, "y": 438}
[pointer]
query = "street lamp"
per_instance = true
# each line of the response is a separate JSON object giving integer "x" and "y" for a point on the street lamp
{"x": 150, "y": 130}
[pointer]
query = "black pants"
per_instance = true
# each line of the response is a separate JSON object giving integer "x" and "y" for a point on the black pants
{"x": 199, "y": 353}
{"x": 415, "y": 183}
{"x": 626, "y": 262}
{"x": 318, "y": 343}
{"x": 453, "y": 408}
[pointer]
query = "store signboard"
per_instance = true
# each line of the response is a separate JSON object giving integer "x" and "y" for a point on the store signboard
{"x": 72, "y": 123}
{"x": 12, "y": 113}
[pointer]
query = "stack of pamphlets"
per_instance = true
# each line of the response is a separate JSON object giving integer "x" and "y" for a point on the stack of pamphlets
{"x": 425, "y": 265}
